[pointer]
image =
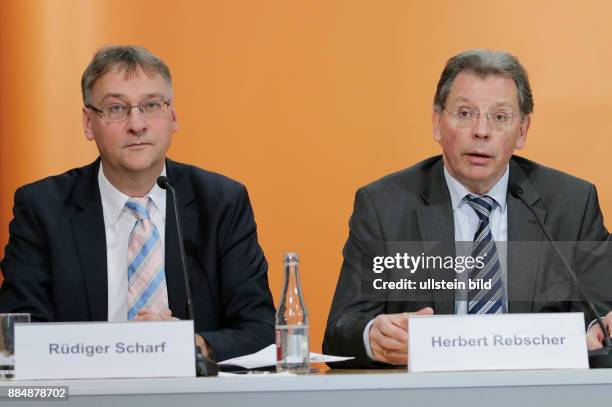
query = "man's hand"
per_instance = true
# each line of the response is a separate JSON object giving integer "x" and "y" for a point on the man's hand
{"x": 595, "y": 336}
{"x": 205, "y": 350}
{"x": 389, "y": 336}
{"x": 148, "y": 315}
{"x": 166, "y": 315}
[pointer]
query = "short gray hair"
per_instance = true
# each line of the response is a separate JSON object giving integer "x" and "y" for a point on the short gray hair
{"x": 483, "y": 62}
{"x": 127, "y": 58}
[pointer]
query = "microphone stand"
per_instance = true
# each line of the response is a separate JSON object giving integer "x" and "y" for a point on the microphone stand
{"x": 598, "y": 358}
{"x": 205, "y": 366}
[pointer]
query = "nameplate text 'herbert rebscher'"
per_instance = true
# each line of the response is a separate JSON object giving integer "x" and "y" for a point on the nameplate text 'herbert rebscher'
{"x": 497, "y": 342}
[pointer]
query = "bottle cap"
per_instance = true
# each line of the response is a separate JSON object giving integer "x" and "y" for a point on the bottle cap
{"x": 291, "y": 256}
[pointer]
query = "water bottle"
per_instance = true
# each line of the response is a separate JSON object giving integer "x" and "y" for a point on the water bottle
{"x": 292, "y": 350}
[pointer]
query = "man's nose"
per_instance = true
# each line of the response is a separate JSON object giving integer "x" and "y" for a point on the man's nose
{"x": 482, "y": 128}
{"x": 137, "y": 122}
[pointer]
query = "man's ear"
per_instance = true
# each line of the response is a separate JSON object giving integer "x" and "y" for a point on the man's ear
{"x": 436, "y": 116}
{"x": 175, "y": 125}
{"x": 87, "y": 122}
{"x": 522, "y": 138}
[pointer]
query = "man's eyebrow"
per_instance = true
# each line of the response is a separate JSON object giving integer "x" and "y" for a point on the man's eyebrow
{"x": 504, "y": 103}
{"x": 147, "y": 96}
{"x": 461, "y": 99}
{"x": 499, "y": 103}
{"x": 112, "y": 95}
{"x": 155, "y": 95}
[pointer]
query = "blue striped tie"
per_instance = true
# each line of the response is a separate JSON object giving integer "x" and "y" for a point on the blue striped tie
{"x": 485, "y": 301}
{"x": 146, "y": 274}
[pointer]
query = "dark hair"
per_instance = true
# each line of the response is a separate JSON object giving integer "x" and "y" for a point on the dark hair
{"x": 482, "y": 63}
{"x": 127, "y": 58}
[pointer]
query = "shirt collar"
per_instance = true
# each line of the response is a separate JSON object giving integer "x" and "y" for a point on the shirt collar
{"x": 458, "y": 191}
{"x": 113, "y": 200}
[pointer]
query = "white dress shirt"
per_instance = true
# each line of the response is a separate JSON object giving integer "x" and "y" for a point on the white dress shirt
{"x": 466, "y": 224}
{"x": 118, "y": 224}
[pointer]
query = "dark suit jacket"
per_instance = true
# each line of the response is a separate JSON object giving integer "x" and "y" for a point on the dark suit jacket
{"x": 415, "y": 205}
{"x": 55, "y": 262}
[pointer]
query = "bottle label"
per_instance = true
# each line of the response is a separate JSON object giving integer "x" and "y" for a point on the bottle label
{"x": 279, "y": 348}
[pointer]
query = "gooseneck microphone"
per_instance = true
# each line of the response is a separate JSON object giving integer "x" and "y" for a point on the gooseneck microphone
{"x": 599, "y": 358}
{"x": 205, "y": 366}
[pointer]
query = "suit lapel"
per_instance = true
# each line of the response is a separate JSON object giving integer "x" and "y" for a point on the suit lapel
{"x": 177, "y": 296}
{"x": 436, "y": 225}
{"x": 524, "y": 242}
{"x": 90, "y": 240}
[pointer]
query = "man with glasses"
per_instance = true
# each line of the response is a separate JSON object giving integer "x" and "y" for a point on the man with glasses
{"x": 481, "y": 115}
{"x": 100, "y": 242}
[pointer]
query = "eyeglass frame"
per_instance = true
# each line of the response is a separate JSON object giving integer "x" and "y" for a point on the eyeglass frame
{"x": 488, "y": 115}
{"x": 166, "y": 102}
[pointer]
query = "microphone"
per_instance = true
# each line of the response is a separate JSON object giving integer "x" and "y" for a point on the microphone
{"x": 599, "y": 358}
{"x": 205, "y": 366}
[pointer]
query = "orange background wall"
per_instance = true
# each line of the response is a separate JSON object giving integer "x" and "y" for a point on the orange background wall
{"x": 302, "y": 100}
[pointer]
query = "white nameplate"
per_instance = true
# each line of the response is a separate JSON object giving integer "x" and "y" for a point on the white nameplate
{"x": 87, "y": 350}
{"x": 445, "y": 343}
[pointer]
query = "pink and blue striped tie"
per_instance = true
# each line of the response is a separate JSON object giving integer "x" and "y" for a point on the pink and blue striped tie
{"x": 145, "y": 262}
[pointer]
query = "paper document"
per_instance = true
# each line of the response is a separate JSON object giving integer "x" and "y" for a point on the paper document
{"x": 267, "y": 357}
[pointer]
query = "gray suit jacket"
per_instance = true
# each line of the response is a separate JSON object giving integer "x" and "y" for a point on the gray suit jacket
{"x": 415, "y": 205}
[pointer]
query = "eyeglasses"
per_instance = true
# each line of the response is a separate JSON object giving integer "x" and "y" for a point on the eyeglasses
{"x": 466, "y": 118}
{"x": 116, "y": 112}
